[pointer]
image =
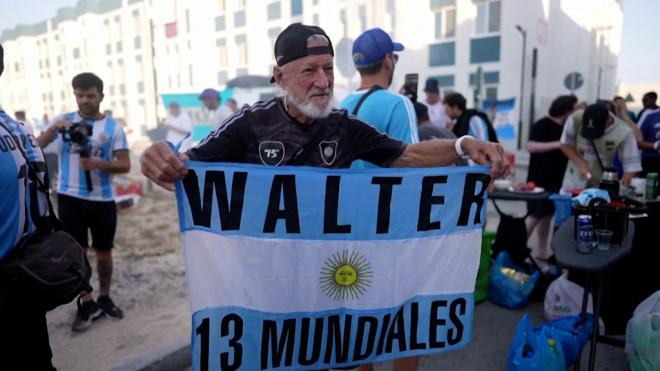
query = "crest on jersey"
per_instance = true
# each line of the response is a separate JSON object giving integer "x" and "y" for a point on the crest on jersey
{"x": 328, "y": 151}
{"x": 271, "y": 152}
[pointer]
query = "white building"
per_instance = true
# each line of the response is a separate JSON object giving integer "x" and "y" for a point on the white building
{"x": 205, "y": 43}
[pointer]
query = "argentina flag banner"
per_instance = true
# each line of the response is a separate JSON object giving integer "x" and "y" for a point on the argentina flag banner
{"x": 294, "y": 268}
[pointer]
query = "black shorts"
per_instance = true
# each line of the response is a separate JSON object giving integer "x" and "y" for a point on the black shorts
{"x": 78, "y": 215}
{"x": 541, "y": 208}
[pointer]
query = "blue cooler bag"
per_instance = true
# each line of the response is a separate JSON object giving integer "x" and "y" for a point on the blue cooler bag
{"x": 509, "y": 285}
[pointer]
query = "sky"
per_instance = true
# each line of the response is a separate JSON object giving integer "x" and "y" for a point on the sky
{"x": 637, "y": 61}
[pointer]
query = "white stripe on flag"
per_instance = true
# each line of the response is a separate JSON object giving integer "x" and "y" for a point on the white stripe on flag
{"x": 277, "y": 275}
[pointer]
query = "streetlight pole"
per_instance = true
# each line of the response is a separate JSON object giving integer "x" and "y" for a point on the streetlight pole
{"x": 522, "y": 84}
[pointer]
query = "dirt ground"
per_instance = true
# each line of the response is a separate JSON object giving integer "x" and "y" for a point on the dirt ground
{"x": 148, "y": 284}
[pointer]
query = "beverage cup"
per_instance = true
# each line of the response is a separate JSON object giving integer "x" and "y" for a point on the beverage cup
{"x": 603, "y": 237}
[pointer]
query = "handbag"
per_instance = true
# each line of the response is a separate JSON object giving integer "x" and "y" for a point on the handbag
{"x": 47, "y": 268}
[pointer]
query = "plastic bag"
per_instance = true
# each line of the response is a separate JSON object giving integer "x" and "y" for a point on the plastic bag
{"x": 535, "y": 349}
{"x": 509, "y": 285}
{"x": 572, "y": 332}
{"x": 564, "y": 298}
{"x": 643, "y": 335}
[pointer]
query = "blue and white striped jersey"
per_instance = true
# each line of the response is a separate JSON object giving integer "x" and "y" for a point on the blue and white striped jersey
{"x": 390, "y": 113}
{"x": 107, "y": 138}
{"x": 16, "y": 187}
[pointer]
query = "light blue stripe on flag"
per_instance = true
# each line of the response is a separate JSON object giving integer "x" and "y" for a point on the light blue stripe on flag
{"x": 423, "y": 202}
{"x": 255, "y": 340}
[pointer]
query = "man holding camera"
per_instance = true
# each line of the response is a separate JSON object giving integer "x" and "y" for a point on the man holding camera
{"x": 92, "y": 148}
{"x": 390, "y": 113}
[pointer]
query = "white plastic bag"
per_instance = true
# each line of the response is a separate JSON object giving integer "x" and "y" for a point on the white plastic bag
{"x": 643, "y": 335}
{"x": 564, "y": 298}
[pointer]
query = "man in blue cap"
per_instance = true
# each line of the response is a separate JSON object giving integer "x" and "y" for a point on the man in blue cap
{"x": 216, "y": 113}
{"x": 390, "y": 113}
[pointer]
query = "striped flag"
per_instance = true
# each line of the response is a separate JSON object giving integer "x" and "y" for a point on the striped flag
{"x": 308, "y": 268}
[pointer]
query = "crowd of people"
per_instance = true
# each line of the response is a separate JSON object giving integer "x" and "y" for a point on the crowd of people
{"x": 372, "y": 126}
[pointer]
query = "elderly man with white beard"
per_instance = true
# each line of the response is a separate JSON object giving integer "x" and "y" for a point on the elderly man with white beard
{"x": 301, "y": 127}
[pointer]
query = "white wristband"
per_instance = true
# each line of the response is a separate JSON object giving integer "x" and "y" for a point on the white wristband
{"x": 459, "y": 150}
{"x": 656, "y": 145}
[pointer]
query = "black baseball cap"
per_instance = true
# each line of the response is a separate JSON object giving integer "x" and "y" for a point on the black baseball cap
{"x": 431, "y": 86}
{"x": 298, "y": 41}
{"x": 594, "y": 121}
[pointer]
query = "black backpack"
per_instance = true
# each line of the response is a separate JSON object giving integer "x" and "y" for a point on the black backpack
{"x": 462, "y": 126}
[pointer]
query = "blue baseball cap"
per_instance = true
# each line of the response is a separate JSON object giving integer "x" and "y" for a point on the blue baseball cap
{"x": 209, "y": 93}
{"x": 372, "y": 46}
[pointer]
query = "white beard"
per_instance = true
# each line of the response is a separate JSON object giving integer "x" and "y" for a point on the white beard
{"x": 308, "y": 108}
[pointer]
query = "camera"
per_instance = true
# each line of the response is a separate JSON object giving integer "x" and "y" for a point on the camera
{"x": 79, "y": 134}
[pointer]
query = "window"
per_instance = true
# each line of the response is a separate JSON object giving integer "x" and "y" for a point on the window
{"x": 491, "y": 93}
{"x": 315, "y": 2}
{"x": 222, "y": 52}
{"x": 220, "y": 23}
{"x": 445, "y": 23}
{"x": 137, "y": 42}
{"x": 76, "y": 53}
{"x": 239, "y": 18}
{"x": 488, "y": 17}
{"x": 363, "y": 17}
{"x": 136, "y": 22}
{"x": 272, "y": 35}
{"x": 112, "y": 90}
{"x": 315, "y": 19}
{"x": 241, "y": 44}
{"x": 222, "y": 77}
{"x": 118, "y": 47}
{"x": 274, "y": 11}
{"x": 140, "y": 87}
{"x": 442, "y": 54}
{"x": 296, "y": 7}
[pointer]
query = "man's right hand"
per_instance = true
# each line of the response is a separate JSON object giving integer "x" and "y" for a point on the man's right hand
{"x": 60, "y": 124}
{"x": 585, "y": 170}
{"x": 160, "y": 164}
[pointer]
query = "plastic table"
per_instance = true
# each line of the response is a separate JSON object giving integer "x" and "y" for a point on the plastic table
{"x": 593, "y": 265}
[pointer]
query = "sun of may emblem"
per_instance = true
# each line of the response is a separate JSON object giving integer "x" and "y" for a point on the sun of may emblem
{"x": 345, "y": 276}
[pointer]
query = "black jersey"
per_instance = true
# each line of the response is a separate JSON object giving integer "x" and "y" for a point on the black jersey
{"x": 264, "y": 133}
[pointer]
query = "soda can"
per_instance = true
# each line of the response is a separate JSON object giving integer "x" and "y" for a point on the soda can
{"x": 585, "y": 234}
{"x": 651, "y": 186}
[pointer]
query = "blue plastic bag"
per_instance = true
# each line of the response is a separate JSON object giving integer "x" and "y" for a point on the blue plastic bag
{"x": 509, "y": 285}
{"x": 535, "y": 349}
{"x": 573, "y": 333}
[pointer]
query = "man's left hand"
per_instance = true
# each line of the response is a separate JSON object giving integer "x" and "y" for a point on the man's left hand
{"x": 89, "y": 163}
{"x": 487, "y": 153}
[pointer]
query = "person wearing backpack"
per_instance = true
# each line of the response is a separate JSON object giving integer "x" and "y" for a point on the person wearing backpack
{"x": 24, "y": 340}
{"x": 468, "y": 121}
{"x": 389, "y": 112}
